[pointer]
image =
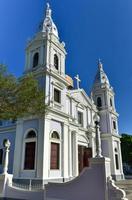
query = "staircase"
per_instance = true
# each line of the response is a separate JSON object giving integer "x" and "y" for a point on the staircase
{"x": 127, "y": 186}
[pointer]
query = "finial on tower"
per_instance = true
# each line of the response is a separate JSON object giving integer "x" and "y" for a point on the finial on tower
{"x": 100, "y": 65}
{"x": 48, "y": 10}
{"x": 48, "y": 24}
{"x": 48, "y": 6}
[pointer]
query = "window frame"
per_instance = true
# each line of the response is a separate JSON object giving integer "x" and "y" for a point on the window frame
{"x": 111, "y": 102}
{"x": 59, "y": 92}
{"x": 114, "y": 125}
{"x": 82, "y": 118}
{"x": 34, "y": 66}
{"x": 99, "y": 102}
{"x": 56, "y": 61}
{"x": 117, "y": 159}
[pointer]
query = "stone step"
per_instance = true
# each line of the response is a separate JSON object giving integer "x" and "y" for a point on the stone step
{"x": 128, "y": 192}
{"x": 127, "y": 186}
{"x": 129, "y": 197}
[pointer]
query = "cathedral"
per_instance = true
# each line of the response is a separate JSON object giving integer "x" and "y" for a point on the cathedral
{"x": 57, "y": 146}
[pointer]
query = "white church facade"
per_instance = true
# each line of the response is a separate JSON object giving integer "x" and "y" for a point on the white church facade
{"x": 57, "y": 146}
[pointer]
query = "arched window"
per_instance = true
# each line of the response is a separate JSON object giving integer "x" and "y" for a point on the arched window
{"x": 31, "y": 134}
{"x": 55, "y": 135}
{"x": 30, "y": 150}
{"x": 116, "y": 159}
{"x": 56, "y": 62}
{"x": 111, "y": 104}
{"x": 35, "y": 59}
{"x": 114, "y": 125}
{"x": 55, "y": 151}
{"x": 99, "y": 102}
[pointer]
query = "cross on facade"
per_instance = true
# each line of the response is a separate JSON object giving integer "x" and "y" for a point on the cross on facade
{"x": 78, "y": 80}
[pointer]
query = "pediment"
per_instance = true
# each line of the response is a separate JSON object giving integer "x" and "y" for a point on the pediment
{"x": 81, "y": 97}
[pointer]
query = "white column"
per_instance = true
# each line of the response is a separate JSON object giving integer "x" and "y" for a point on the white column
{"x": 46, "y": 154}
{"x": 40, "y": 149}
{"x": 41, "y": 55}
{"x": 112, "y": 156}
{"x": 75, "y": 154}
{"x": 65, "y": 151}
{"x": 71, "y": 107}
{"x": 19, "y": 151}
{"x": 120, "y": 158}
{"x": 47, "y": 52}
{"x": 91, "y": 113}
{"x": 70, "y": 152}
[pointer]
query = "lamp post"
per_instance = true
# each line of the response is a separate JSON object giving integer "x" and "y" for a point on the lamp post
{"x": 6, "y": 145}
{"x": 98, "y": 139}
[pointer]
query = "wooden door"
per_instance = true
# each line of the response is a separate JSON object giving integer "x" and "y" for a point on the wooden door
{"x": 54, "y": 159}
{"x": 84, "y": 154}
{"x": 29, "y": 163}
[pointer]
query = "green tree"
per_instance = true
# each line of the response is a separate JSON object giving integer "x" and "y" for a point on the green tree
{"x": 20, "y": 97}
{"x": 126, "y": 147}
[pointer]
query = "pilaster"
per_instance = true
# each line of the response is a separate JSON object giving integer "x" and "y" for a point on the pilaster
{"x": 75, "y": 157}
{"x": 70, "y": 152}
{"x": 46, "y": 148}
{"x": 65, "y": 151}
{"x": 17, "y": 166}
{"x": 40, "y": 149}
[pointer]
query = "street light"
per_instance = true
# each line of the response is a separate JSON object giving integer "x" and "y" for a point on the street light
{"x": 6, "y": 144}
{"x": 98, "y": 139}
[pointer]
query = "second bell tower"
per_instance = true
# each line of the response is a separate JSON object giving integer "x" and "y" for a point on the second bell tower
{"x": 103, "y": 96}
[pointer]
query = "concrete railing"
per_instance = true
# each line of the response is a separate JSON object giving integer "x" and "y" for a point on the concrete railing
{"x": 94, "y": 183}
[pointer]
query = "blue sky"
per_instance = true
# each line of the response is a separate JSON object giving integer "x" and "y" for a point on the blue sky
{"x": 91, "y": 29}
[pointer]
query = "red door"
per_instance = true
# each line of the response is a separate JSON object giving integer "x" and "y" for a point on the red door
{"x": 29, "y": 163}
{"x": 84, "y": 154}
{"x": 54, "y": 159}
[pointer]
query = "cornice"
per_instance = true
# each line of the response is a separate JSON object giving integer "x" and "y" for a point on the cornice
{"x": 7, "y": 128}
{"x": 109, "y": 135}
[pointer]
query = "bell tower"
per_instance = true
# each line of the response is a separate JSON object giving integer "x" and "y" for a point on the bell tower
{"x": 103, "y": 96}
{"x": 45, "y": 58}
